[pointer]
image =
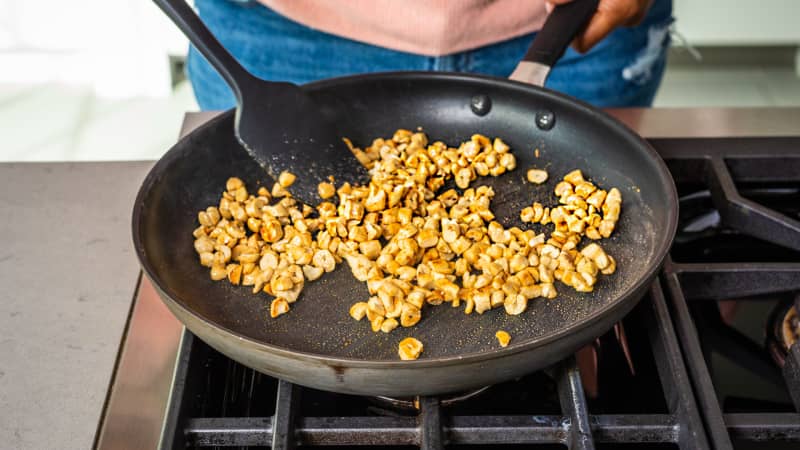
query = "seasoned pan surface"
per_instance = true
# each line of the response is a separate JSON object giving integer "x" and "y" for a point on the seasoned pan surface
{"x": 318, "y": 343}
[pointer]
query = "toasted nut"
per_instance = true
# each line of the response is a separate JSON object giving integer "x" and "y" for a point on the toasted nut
{"x": 206, "y": 259}
{"x": 360, "y": 266}
{"x": 597, "y": 198}
{"x": 240, "y": 194}
{"x": 278, "y": 191}
{"x": 614, "y": 197}
{"x": 269, "y": 261}
{"x": 326, "y": 190}
{"x": 376, "y": 323}
{"x": 410, "y": 315}
{"x": 218, "y": 272}
{"x": 271, "y": 231}
{"x": 503, "y": 338}
{"x": 497, "y": 299}
{"x": 233, "y": 183}
{"x": 574, "y": 177}
{"x": 234, "y": 272}
{"x": 526, "y": 214}
{"x": 606, "y": 228}
{"x": 312, "y": 272}
{"x": 427, "y": 238}
{"x": 593, "y": 233}
{"x": 463, "y": 177}
{"x": 409, "y": 349}
{"x": 277, "y": 307}
{"x": 531, "y": 292}
{"x": 508, "y": 161}
{"x": 549, "y": 290}
{"x": 537, "y": 176}
{"x": 517, "y": 263}
{"x": 358, "y": 310}
{"x": 584, "y": 189}
{"x": 370, "y": 249}
{"x": 388, "y": 325}
{"x": 324, "y": 260}
{"x": 482, "y": 301}
{"x": 515, "y": 304}
{"x": 611, "y": 267}
{"x": 204, "y": 245}
{"x": 285, "y": 179}
{"x": 199, "y": 232}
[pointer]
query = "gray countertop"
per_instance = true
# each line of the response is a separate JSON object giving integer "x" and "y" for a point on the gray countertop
{"x": 68, "y": 273}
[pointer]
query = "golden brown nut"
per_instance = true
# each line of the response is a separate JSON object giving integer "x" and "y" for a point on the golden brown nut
{"x": 285, "y": 179}
{"x": 409, "y": 349}
{"x": 503, "y": 338}
{"x": 537, "y": 176}
{"x": 326, "y": 190}
{"x": 358, "y": 310}
{"x": 277, "y": 307}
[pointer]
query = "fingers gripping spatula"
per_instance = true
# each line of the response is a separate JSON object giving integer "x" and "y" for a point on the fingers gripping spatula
{"x": 278, "y": 124}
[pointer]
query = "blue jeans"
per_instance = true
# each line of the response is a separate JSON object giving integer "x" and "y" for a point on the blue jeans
{"x": 625, "y": 69}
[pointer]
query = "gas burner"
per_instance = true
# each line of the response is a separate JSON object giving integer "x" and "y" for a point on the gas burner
{"x": 783, "y": 329}
{"x": 412, "y": 404}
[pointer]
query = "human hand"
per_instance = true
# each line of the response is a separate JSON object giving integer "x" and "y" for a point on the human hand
{"x": 610, "y": 15}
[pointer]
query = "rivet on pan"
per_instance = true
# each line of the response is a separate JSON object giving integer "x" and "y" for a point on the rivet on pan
{"x": 545, "y": 120}
{"x": 480, "y": 104}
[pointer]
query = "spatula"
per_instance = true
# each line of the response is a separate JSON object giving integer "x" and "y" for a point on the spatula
{"x": 278, "y": 124}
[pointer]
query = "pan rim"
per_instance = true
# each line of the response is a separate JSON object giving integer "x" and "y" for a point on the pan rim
{"x": 661, "y": 247}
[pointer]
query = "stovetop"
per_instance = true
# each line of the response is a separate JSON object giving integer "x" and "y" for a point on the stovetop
{"x": 701, "y": 370}
{"x": 699, "y": 374}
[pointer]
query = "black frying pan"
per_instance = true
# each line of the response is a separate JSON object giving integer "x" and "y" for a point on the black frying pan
{"x": 317, "y": 343}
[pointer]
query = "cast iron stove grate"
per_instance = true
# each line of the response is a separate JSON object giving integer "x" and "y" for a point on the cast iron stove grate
{"x": 736, "y": 259}
{"x": 666, "y": 400}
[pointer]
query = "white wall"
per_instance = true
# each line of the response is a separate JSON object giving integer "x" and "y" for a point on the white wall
{"x": 739, "y": 22}
{"x": 119, "y": 47}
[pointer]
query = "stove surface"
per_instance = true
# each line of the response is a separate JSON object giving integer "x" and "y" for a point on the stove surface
{"x": 699, "y": 372}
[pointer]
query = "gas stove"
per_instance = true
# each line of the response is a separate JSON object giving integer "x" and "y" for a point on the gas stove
{"x": 707, "y": 362}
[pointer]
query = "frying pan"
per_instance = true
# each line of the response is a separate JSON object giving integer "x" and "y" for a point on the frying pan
{"x": 317, "y": 344}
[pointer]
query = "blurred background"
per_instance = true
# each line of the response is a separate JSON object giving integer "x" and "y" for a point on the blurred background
{"x": 103, "y": 79}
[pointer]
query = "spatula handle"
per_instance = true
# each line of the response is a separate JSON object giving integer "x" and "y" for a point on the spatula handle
{"x": 550, "y": 43}
{"x": 560, "y": 28}
{"x": 189, "y": 22}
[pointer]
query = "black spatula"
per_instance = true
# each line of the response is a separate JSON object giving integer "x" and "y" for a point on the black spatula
{"x": 278, "y": 124}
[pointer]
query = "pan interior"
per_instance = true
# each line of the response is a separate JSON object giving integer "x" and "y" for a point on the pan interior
{"x": 192, "y": 176}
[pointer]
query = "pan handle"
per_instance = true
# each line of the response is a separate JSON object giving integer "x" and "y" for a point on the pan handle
{"x": 200, "y": 36}
{"x": 561, "y": 27}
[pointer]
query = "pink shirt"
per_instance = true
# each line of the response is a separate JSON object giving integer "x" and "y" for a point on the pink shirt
{"x": 427, "y": 27}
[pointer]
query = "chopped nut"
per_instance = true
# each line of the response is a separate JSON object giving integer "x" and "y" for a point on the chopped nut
{"x": 358, "y": 310}
{"x": 285, "y": 179}
{"x": 312, "y": 272}
{"x": 277, "y": 307}
{"x": 537, "y": 176}
{"x": 234, "y": 273}
{"x": 218, "y": 272}
{"x": 324, "y": 260}
{"x": 503, "y": 338}
{"x": 515, "y": 304}
{"x": 409, "y": 349}
{"x": 574, "y": 177}
{"x": 326, "y": 190}
{"x": 233, "y": 183}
